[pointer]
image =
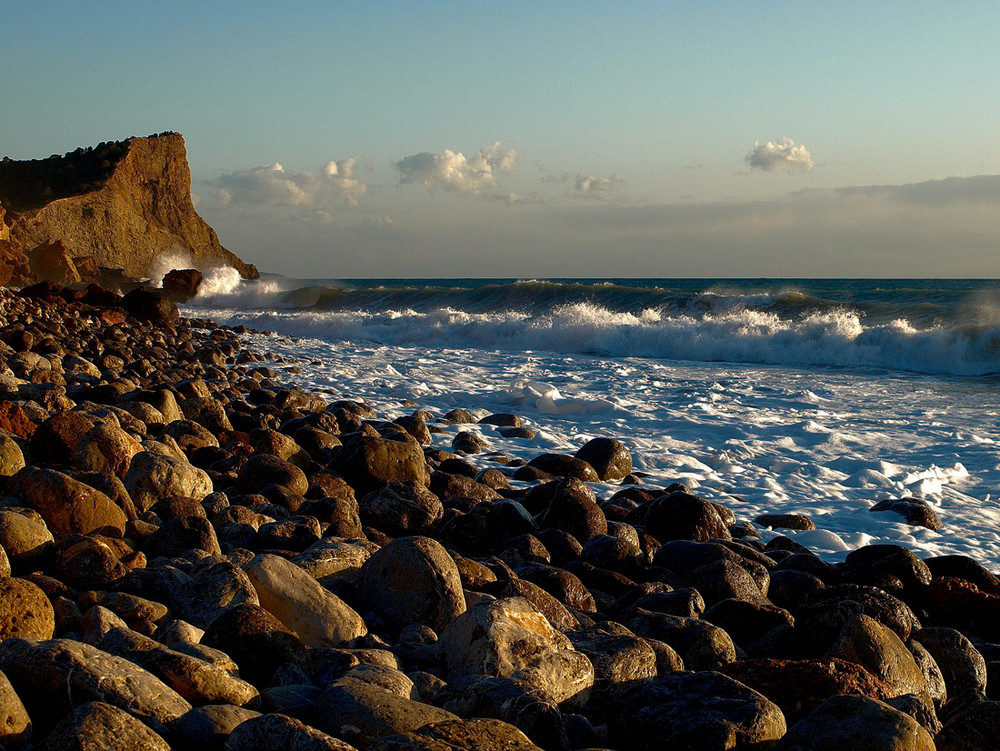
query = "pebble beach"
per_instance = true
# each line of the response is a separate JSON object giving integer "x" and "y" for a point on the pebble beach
{"x": 199, "y": 553}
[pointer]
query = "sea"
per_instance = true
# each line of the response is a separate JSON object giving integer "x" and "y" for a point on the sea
{"x": 812, "y": 396}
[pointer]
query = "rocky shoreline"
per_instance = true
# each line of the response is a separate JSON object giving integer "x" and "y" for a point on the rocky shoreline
{"x": 197, "y": 554}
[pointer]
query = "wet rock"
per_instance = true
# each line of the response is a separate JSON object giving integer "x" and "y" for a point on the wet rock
{"x": 609, "y": 457}
{"x": 561, "y": 465}
{"x": 620, "y": 660}
{"x": 962, "y": 604}
{"x": 694, "y": 711}
{"x": 412, "y": 580}
{"x": 467, "y": 442}
{"x": 914, "y": 511}
{"x": 973, "y": 726}
{"x": 561, "y": 584}
{"x": 682, "y": 516}
{"x": 872, "y": 562}
{"x": 508, "y": 638}
{"x": 785, "y": 521}
{"x": 67, "y": 505}
{"x": 447, "y": 485}
{"x": 961, "y": 664}
{"x": 568, "y": 505}
{"x": 746, "y": 621}
{"x": 849, "y": 721}
{"x": 316, "y": 615}
{"x": 876, "y": 648}
{"x": 824, "y": 613}
{"x": 151, "y": 305}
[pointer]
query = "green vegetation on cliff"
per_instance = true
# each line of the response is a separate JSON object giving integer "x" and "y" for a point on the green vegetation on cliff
{"x": 30, "y": 184}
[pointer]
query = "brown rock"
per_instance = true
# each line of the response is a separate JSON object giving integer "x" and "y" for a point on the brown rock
{"x": 25, "y": 611}
{"x": 182, "y": 283}
{"x": 51, "y": 261}
{"x": 67, "y": 505}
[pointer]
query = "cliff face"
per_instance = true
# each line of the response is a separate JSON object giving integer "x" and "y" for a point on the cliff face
{"x": 142, "y": 210}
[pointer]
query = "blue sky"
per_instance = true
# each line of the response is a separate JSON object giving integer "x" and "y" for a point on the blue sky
{"x": 544, "y": 139}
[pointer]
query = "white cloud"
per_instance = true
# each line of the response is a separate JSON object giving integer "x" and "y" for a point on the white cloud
{"x": 594, "y": 184}
{"x": 783, "y": 156}
{"x": 275, "y": 186}
{"x": 453, "y": 172}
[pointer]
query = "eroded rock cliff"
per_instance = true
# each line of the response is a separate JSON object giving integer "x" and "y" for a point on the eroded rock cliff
{"x": 131, "y": 206}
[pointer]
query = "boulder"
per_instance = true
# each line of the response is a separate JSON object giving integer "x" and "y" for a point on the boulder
{"x": 855, "y": 722}
{"x": 368, "y": 461}
{"x": 211, "y": 592}
{"x": 799, "y": 686}
{"x": 961, "y": 664}
{"x": 24, "y": 538}
{"x": 569, "y": 506}
{"x": 181, "y": 534}
{"x": 682, "y": 516}
{"x": 476, "y": 734}
{"x": 361, "y": 712}
{"x": 402, "y": 508}
{"x": 182, "y": 283}
{"x": 279, "y": 731}
{"x": 52, "y": 677}
{"x": 207, "y": 728}
{"x": 152, "y": 305}
{"x": 914, "y": 511}
{"x": 878, "y": 650}
{"x": 97, "y": 725}
{"x": 107, "y": 449}
{"x": 316, "y": 615}
{"x": 154, "y": 476}
{"x": 15, "y": 724}
{"x": 508, "y": 638}
{"x": 609, "y": 457}
{"x": 700, "y": 644}
{"x": 412, "y": 580}
{"x": 50, "y": 260}
{"x": 257, "y": 641}
{"x": 561, "y": 465}
{"x": 198, "y": 681}
{"x": 261, "y": 470}
{"x": 693, "y": 712}
{"x": 67, "y": 505}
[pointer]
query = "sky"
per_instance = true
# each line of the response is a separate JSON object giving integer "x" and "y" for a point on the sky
{"x": 543, "y": 139}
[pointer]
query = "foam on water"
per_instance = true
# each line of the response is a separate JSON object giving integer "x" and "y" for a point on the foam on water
{"x": 825, "y": 442}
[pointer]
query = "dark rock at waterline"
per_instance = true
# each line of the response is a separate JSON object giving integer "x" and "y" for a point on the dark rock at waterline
{"x": 151, "y": 305}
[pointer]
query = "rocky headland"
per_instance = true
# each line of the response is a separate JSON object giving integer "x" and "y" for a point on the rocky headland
{"x": 103, "y": 213}
{"x": 197, "y": 554}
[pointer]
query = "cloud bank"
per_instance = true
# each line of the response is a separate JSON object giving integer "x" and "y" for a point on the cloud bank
{"x": 597, "y": 185}
{"x": 273, "y": 185}
{"x": 453, "y": 172}
{"x": 783, "y": 156}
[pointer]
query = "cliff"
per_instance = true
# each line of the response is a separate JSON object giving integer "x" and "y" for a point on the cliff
{"x": 122, "y": 204}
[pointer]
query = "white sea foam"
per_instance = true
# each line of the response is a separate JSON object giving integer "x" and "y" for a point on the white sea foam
{"x": 835, "y": 338}
{"x": 828, "y": 443}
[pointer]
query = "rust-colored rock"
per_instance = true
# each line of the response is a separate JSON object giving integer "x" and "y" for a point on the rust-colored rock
{"x": 50, "y": 260}
{"x": 799, "y": 686}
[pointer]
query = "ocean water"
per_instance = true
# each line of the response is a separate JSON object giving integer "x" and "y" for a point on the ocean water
{"x": 819, "y": 397}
